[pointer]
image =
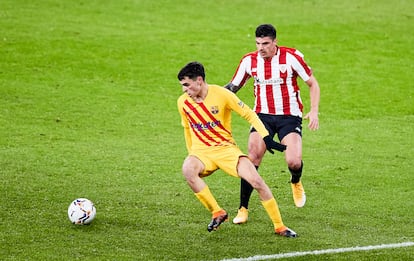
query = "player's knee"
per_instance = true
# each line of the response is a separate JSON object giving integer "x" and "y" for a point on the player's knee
{"x": 255, "y": 155}
{"x": 294, "y": 164}
{"x": 190, "y": 169}
{"x": 187, "y": 172}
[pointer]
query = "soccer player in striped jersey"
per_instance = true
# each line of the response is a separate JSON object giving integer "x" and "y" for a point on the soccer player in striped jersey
{"x": 206, "y": 111}
{"x": 275, "y": 71}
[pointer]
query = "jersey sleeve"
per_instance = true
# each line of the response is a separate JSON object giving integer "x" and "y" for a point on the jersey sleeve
{"x": 300, "y": 66}
{"x": 184, "y": 123}
{"x": 246, "y": 112}
{"x": 242, "y": 73}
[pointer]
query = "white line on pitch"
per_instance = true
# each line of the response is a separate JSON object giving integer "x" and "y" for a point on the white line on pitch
{"x": 321, "y": 252}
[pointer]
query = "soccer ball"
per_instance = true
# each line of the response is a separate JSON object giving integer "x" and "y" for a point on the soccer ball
{"x": 81, "y": 211}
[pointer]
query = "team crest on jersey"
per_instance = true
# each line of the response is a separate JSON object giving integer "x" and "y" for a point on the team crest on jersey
{"x": 214, "y": 109}
{"x": 282, "y": 68}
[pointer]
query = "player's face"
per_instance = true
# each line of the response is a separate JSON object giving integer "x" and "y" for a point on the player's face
{"x": 266, "y": 46}
{"x": 191, "y": 87}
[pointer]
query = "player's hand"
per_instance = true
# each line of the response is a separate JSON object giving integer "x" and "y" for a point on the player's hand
{"x": 271, "y": 144}
{"x": 313, "y": 120}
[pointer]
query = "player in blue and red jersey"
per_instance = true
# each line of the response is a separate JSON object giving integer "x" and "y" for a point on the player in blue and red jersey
{"x": 206, "y": 111}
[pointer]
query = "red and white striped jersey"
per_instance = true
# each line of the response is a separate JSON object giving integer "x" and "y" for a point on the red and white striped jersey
{"x": 276, "y": 89}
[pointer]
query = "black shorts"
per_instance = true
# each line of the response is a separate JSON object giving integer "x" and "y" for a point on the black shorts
{"x": 281, "y": 125}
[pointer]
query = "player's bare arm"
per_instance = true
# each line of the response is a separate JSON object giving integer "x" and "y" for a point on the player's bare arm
{"x": 313, "y": 114}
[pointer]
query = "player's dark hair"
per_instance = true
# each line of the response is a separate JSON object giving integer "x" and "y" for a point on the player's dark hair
{"x": 266, "y": 30}
{"x": 192, "y": 70}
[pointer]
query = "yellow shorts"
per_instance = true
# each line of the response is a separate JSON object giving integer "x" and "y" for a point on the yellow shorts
{"x": 225, "y": 158}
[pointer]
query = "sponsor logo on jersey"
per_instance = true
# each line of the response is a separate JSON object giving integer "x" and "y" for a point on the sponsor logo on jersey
{"x": 268, "y": 81}
{"x": 205, "y": 126}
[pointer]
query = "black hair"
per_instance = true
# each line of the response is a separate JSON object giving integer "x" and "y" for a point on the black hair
{"x": 192, "y": 70}
{"x": 264, "y": 30}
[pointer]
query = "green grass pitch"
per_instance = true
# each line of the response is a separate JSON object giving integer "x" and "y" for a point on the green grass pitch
{"x": 88, "y": 95}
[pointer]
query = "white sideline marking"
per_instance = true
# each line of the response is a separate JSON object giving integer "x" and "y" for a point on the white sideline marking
{"x": 321, "y": 252}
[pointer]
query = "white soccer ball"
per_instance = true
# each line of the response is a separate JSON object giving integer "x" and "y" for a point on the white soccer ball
{"x": 81, "y": 211}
